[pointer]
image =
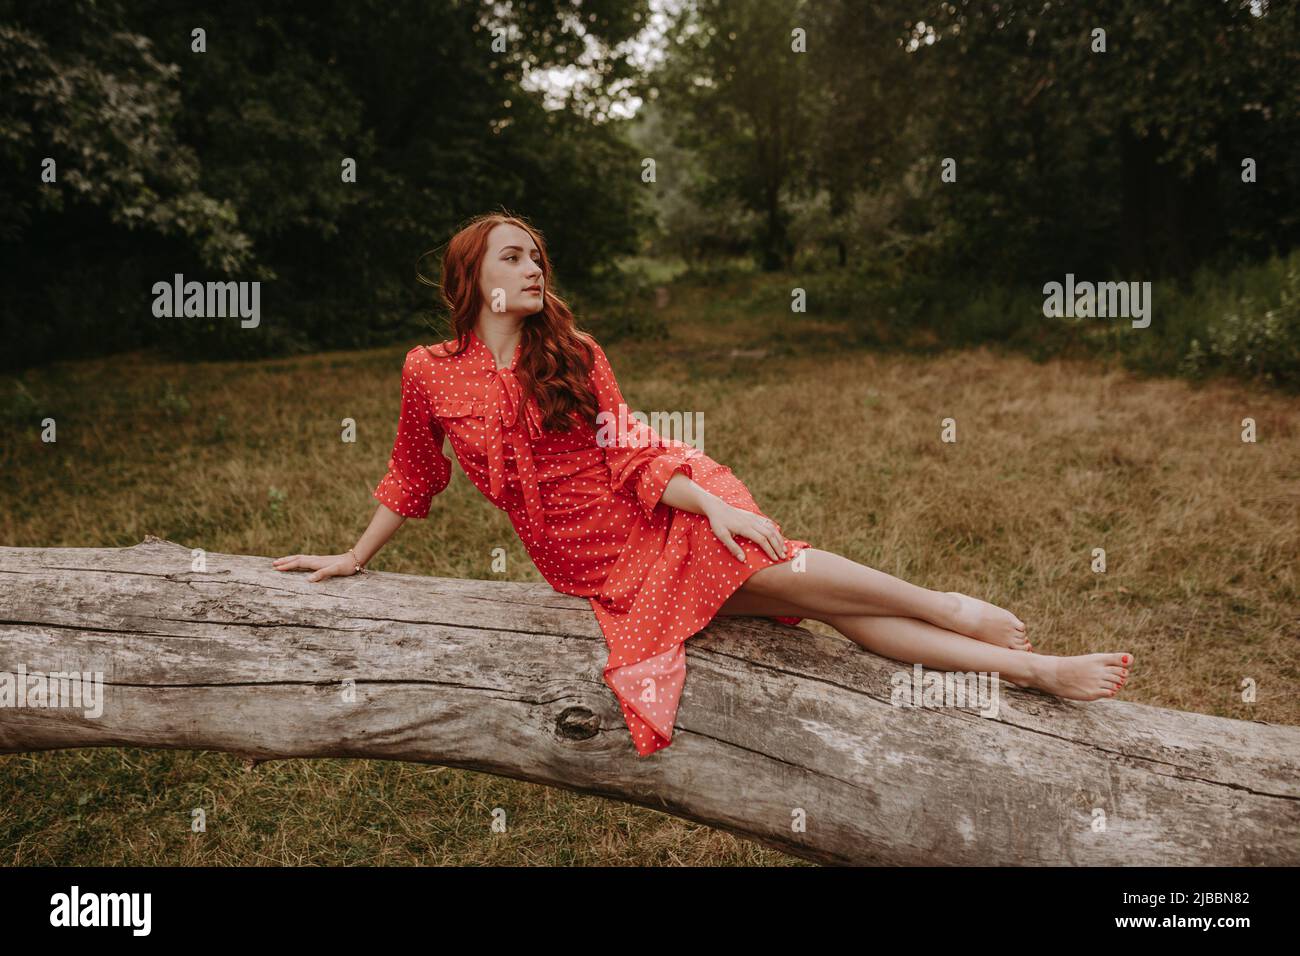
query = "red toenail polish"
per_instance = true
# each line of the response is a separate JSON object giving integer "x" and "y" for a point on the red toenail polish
{"x": 1125, "y": 658}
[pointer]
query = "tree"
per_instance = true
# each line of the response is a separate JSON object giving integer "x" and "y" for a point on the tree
{"x": 741, "y": 93}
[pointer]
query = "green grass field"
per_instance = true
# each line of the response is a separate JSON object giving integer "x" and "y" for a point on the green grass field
{"x": 840, "y": 444}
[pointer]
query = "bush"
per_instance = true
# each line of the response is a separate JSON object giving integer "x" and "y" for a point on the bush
{"x": 1249, "y": 338}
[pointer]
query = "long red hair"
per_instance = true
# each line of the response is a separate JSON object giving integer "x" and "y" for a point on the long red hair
{"x": 556, "y": 357}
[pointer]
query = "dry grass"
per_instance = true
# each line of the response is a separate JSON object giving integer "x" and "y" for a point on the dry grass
{"x": 1052, "y": 461}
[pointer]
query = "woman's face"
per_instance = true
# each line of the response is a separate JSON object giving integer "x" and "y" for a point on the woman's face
{"x": 511, "y": 279}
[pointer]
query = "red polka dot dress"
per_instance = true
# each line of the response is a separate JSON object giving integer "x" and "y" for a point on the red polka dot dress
{"x": 586, "y": 505}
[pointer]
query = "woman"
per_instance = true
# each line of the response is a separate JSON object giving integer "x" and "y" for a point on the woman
{"x": 658, "y": 536}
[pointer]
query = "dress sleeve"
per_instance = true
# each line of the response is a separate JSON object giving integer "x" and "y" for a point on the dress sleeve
{"x": 417, "y": 468}
{"x": 639, "y": 459}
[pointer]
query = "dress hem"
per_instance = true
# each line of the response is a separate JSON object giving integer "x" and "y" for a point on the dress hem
{"x": 666, "y": 671}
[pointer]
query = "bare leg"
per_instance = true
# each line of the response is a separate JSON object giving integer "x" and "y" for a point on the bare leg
{"x": 1084, "y": 677}
{"x": 912, "y": 641}
{"x": 747, "y": 602}
{"x": 833, "y": 584}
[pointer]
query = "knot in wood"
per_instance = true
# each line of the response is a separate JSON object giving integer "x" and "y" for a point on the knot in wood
{"x": 577, "y": 723}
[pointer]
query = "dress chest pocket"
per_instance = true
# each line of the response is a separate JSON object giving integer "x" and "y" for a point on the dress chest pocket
{"x": 448, "y": 411}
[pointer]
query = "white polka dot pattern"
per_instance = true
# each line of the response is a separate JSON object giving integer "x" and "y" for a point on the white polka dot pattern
{"x": 588, "y": 513}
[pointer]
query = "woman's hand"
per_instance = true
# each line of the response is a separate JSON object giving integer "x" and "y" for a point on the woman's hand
{"x": 728, "y": 520}
{"x": 322, "y": 565}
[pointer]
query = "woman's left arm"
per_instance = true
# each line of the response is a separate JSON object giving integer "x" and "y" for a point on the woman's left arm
{"x": 682, "y": 492}
{"x": 727, "y": 520}
{"x": 659, "y": 471}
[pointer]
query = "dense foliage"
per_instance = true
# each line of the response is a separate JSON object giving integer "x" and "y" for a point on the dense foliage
{"x": 1135, "y": 140}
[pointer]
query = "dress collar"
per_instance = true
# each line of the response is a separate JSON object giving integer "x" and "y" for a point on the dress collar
{"x": 486, "y": 352}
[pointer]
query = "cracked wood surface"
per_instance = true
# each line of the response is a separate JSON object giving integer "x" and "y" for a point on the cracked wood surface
{"x": 783, "y": 736}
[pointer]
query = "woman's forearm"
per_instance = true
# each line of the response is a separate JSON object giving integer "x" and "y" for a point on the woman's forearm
{"x": 683, "y": 493}
{"x": 382, "y": 526}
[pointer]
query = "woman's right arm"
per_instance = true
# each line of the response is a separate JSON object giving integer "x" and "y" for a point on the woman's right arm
{"x": 417, "y": 470}
{"x": 382, "y": 527}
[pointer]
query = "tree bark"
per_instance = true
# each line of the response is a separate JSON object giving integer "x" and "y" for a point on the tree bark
{"x": 784, "y": 736}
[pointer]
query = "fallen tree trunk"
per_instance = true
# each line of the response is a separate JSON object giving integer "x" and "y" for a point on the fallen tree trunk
{"x": 784, "y": 736}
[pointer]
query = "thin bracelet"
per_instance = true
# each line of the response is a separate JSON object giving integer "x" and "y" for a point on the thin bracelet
{"x": 358, "y": 568}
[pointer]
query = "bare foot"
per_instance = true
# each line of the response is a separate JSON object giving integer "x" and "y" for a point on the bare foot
{"x": 1085, "y": 677}
{"x": 986, "y": 622}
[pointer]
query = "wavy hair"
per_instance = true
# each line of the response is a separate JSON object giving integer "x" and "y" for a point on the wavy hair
{"x": 555, "y": 358}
